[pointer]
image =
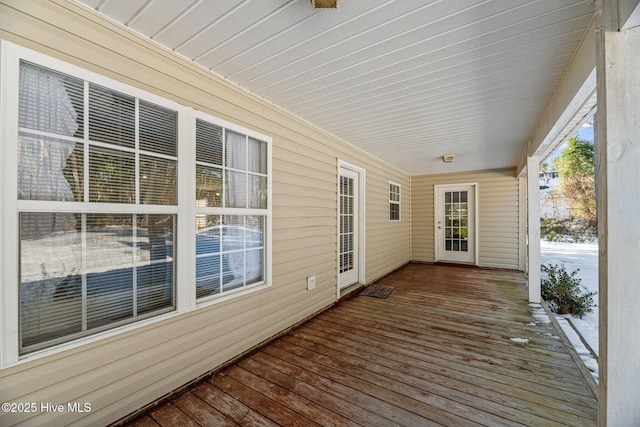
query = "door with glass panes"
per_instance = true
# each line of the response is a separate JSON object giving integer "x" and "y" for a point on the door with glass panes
{"x": 348, "y": 239}
{"x": 456, "y": 223}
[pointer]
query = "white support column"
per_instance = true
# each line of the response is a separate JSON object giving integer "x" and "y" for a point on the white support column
{"x": 522, "y": 223}
{"x": 618, "y": 150}
{"x": 533, "y": 227}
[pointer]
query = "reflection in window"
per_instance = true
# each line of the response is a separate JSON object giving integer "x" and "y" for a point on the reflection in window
{"x": 394, "y": 201}
{"x": 347, "y": 221}
{"x": 108, "y": 270}
{"x": 229, "y": 253}
{"x": 236, "y": 180}
{"x": 84, "y": 272}
{"x": 231, "y": 173}
{"x": 122, "y": 167}
{"x": 456, "y": 221}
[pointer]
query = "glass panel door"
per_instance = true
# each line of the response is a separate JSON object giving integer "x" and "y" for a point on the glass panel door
{"x": 348, "y": 228}
{"x": 455, "y": 223}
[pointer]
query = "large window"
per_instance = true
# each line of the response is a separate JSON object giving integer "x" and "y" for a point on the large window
{"x": 231, "y": 206}
{"x": 103, "y": 179}
{"x": 91, "y": 266}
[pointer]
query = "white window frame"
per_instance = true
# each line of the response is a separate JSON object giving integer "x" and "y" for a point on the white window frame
{"x": 362, "y": 215}
{"x": 184, "y": 262}
{"x": 206, "y": 301}
{"x": 395, "y": 202}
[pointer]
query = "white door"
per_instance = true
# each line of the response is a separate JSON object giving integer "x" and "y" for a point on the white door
{"x": 456, "y": 223}
{"x": 348, "y": 251}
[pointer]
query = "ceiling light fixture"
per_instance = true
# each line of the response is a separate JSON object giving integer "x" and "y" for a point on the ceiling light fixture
{"x": 448, "y": 158}
{"x": 325, "y": 4}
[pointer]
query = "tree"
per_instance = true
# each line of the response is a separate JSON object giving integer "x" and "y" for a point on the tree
{"x": 544, "y": 167}
{"x": 577, "y": 183}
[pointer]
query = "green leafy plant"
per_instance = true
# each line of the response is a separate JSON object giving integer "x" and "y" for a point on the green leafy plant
{"x": 563, "y": 292}
{"x": 577, "y": 182}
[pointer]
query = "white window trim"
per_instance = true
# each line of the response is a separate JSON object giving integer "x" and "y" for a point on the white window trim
{"x": 225, "y": 296}
{"x": 362, "y": 215}
{"x": 10, "y": 57}
{"x": 393, "y": 202}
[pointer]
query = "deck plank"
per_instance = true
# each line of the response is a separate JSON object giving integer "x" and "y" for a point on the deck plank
{"x": 204, "y": 414}
{"x": 505, "y": 400}
{"x": 234, "y": 409}
{"x": 169, "y": 415}
{"x": 266, "y": 369}
{"x": 547, "y": 371}
{"x": 437, "y": 351}
{"x": 276, "y": 411}
{"x": 392, "y": 402}
{"x": 144, "y": 421}
{"x": 286, "y": 363}
{"x": 286, "y": 397}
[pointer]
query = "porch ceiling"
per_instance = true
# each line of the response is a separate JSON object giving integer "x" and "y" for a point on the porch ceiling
{"x": 406, "y": 81}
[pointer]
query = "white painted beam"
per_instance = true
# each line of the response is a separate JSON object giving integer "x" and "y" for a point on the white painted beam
{"x": 522, "y": 223}
{"x": 618, "y": 183}
{"x": 574, "y": 92}
{"x": 533, "y": 228}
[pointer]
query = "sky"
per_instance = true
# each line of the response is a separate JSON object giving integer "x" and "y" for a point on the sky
{"x": 585, "y": 132}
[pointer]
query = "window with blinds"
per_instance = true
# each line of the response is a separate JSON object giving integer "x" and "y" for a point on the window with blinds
{"x": 96, "y": 213}
{"x": 394, "y": 201}
{"x": 231, "y": 206}
{"x": 98, "y": 264}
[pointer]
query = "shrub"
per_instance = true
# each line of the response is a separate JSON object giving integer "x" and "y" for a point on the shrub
{"x": 577, "y": 183}
{"x": 563, "y": 292}
{"x": 567, "y": 230}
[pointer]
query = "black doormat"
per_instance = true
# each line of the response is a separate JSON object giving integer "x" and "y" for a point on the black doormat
{"x": 376, "y": 291}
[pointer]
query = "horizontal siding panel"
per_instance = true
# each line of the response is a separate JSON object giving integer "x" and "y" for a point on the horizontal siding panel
{"x": 302, "y": 253}
{"x": 288, "y": 235}
{"x": 316, "y": 208}
{"x": 507, "y": 251}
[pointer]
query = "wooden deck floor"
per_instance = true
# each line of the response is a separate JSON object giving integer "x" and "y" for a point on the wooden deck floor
{"x": 450, "y": 346}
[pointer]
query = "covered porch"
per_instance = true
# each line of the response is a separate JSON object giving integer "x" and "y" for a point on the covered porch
{"x": 449, "y": 346}
{"x": 383, "y": 91}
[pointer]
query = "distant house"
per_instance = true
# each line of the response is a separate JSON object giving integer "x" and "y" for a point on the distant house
{"x": 182, "y": 181}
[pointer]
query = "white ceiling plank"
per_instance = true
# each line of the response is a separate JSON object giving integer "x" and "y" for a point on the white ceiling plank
{"x": 158, "y": 15}
{"x": 506, "y": 65}
{"x": 122, "y": 11}
{"x": 404, "y": 80}
{"x": 481, "y": 89}
{"x": 322, "y": 33}
{"x": 194, "y": 20}
{"x": 408, "y": 59}
{"x": 248, "y": 46}
{"x": 237, "y": 29}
